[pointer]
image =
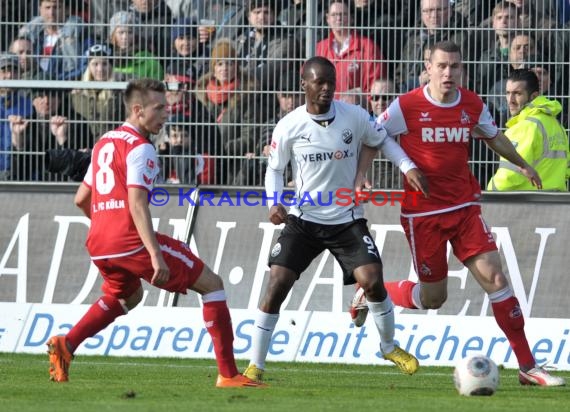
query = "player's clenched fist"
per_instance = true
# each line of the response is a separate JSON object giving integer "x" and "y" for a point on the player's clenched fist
{"x": 277, "y": 214}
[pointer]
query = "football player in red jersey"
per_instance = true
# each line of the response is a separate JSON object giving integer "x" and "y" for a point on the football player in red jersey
{"x": 434, "y": 123}
{"x": 124, "y": 246}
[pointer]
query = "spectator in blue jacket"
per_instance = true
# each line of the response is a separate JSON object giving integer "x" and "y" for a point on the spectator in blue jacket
{"x": 12, "y": 103}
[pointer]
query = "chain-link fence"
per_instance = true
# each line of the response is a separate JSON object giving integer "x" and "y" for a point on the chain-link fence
{"x": 232, "y": 69}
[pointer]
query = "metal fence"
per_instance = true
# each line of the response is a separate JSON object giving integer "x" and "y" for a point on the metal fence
{"x": 232, "y": 69}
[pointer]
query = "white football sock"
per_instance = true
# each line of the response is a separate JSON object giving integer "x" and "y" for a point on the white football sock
{"x": 500, "y": 295}
{"x": 383, "y": 314}
{"x": 416, "y": 296}
{"x": 263, "y": 330}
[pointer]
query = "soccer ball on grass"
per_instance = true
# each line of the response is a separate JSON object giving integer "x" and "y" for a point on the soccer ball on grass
{"x": 476, "y": 375}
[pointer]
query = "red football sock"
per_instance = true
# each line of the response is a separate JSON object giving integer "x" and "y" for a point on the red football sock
{"x": 219, "y": 325}
{"x": 511, "y": 321}
{"x": 100, "y": 315}
{"x": 401, "y": 293}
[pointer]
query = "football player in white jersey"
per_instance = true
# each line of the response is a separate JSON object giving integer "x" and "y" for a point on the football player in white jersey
{"x": 330, "y": 145}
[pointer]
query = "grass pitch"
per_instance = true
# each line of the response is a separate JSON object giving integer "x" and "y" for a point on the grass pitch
{"x": 168, "y": 385}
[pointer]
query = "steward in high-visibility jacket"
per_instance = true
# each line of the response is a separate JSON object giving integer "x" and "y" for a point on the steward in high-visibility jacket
{"x": 540, "y": 140}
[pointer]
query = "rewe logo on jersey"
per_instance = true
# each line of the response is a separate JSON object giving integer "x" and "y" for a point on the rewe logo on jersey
{"x": 323, "y": 156}
{"x": 445, "y": 134}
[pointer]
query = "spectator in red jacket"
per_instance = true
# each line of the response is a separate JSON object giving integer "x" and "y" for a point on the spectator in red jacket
{"x": 357, "y": 59}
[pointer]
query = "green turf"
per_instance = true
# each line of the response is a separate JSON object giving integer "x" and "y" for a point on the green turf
{"x": 168, "y": 385}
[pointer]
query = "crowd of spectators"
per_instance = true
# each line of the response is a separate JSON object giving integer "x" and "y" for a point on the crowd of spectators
{"x": 232, "y": 69}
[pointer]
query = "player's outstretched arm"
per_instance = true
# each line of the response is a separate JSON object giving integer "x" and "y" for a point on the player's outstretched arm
{"x": 418, "y": 181}
{"x": 365, "y": 158}
{"x": 83, "y": 199}
{"x": 394, "y": 152}
{"x": 274, "y": 190}
{"x": 503, "y": 146}
{"x": 140, "y": 212}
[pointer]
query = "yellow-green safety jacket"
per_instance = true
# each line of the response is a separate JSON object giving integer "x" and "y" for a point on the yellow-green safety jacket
{"x": 542, "y": 141}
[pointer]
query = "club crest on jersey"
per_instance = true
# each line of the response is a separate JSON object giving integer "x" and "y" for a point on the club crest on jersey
{"x": 425, "y": 270}
{"x": 347, "y": 136}
{"x": 465, "y": 119}
{"x": 424, "y": 117}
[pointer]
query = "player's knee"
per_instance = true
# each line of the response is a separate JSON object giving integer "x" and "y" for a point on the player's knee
{"x": 281, "y": 278}
{"x": 433, "y": 302}
{"x": 374, "y": 289}
{"x": 217, "y": 282}
{"x": 213, "y": 280}
{"x": 132, "y": 301}
{"x": 281, "y": 281}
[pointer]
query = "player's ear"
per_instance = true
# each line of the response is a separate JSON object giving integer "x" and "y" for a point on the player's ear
{"x": 302, "y": 84}
{"x": 138, "y": 109}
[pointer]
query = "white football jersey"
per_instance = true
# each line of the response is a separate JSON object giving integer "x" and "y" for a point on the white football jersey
{"x": 324, "y": 161}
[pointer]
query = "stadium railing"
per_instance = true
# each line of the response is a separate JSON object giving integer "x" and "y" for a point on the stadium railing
{"x": 389, "y": 24}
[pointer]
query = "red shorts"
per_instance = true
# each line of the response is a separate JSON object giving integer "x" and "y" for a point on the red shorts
{"x": 464, "y": 228}
{"x": 122, "y": 275}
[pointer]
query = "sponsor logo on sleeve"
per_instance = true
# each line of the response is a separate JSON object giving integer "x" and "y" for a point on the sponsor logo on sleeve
{"x": 150, "y": 166}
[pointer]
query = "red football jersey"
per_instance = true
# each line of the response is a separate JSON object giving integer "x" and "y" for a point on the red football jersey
{"x": 436, "y": 137}
{"x": 122, "y": 158}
